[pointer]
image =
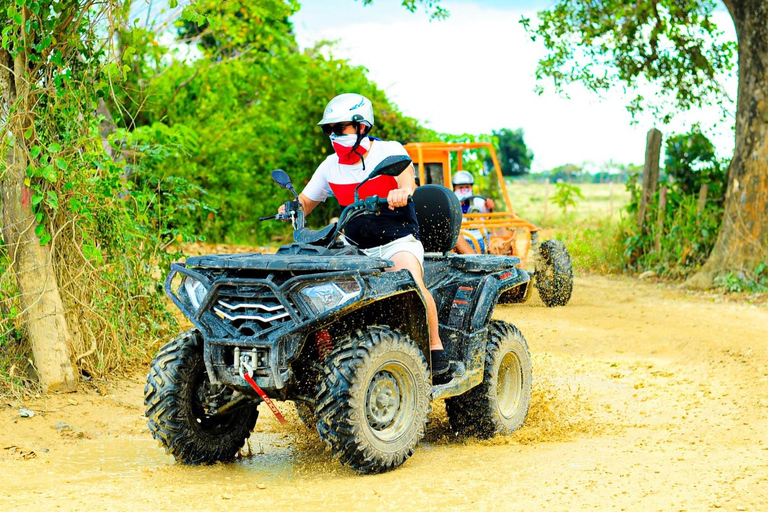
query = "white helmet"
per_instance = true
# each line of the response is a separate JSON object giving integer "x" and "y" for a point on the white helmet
{"x": 349, "y": 107}
{"x": 463, "y": 178}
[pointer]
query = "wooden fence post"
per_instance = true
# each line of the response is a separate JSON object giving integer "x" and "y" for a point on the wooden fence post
{"x": 660, "y": 216}
{"x": 650, "y": 173}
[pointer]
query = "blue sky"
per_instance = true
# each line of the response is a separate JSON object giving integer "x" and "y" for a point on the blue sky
{"x": 475, "y": 72}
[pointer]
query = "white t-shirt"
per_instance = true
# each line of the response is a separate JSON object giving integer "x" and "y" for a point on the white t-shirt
{"x": 339, "y": 180}
{"x": 334, "y": 179}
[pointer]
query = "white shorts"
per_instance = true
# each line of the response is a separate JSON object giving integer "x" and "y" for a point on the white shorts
{"x": 405, "y": 244}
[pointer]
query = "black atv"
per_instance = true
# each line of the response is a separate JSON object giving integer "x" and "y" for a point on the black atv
{"x": 323, "y": 325}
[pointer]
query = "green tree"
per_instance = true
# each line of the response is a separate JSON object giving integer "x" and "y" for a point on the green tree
{"x": 674, "y": 44}
{"x": 225, "y": 30}
{"x": 437, "y": 11}
{"x": 39, "y": 57}
{"x": 514, "y": 156}
{"x": 248, "y": 111}
{"x": 80, "y": 238}
{"x": 691, "y": 162}
{"x": 565, "y": 172}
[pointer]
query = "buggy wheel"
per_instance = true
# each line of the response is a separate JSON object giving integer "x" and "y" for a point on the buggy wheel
{"x": 177, "y": 397}
{"x": 373, "y": 399}
{"x": 554, "y": 273}
{"x": 499, "y": 405}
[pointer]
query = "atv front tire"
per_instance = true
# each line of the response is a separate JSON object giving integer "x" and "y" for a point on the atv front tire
{"x": 499, "y": 405}
{"x": 554, "y": 273}
{"x": 176, "y": 395}
{"x": 374, "y": 399}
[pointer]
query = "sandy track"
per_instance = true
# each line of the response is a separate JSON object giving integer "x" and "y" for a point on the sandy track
{"x": 645, "y": 398}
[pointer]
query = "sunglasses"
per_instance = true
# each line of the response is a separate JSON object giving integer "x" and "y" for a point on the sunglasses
{"x": 336, "y": 129}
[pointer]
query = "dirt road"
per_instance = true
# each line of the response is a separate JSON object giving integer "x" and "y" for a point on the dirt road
{"x": 645, "y": 398}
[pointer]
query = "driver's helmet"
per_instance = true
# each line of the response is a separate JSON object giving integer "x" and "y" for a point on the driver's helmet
{"x": 463, "y": 178}
{"x": 349, "y": 107}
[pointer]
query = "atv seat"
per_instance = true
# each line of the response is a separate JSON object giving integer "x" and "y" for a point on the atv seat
{"x": 439, "y": 214}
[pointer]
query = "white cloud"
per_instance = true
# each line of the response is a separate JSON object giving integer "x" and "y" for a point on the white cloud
{"x": 475, "y": 73}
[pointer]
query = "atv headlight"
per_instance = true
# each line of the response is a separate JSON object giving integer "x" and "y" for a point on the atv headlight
{"x": 326, "y": 296}
{"x": 195, "y": 291}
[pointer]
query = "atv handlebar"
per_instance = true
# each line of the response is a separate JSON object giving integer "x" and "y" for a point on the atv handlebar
{"x": 294, "y": 213}
{"x": 369, "y": 205}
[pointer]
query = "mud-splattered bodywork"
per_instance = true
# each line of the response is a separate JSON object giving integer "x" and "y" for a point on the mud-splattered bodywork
{"x": 270, "y": 307}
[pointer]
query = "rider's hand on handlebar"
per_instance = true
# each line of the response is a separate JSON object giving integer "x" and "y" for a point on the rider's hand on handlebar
{"x": 489, "y": 204}
{"x": 398, "y": 197}
{"x": 281, "y": 213}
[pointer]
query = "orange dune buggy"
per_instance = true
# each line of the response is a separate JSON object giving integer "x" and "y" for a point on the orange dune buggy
{"x": 503, "y": 232}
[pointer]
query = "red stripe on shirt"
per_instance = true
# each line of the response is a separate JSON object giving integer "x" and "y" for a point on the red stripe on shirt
{"x": 380, "y": 186}
{"x": 346, "y": 155}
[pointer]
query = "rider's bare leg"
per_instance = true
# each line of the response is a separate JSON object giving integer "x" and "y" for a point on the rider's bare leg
{"x": 406, "y": 260}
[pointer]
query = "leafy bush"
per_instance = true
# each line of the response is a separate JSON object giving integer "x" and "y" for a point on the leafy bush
{"x": 691, "y": 162}
{"x": 738, "y": 283}
{"x": 565, "y": 195}
{"x": 679, "y": 244}
{"x": 593, "y": 244}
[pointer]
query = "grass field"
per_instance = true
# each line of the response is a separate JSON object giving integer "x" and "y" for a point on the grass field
{"x": 590, "y": 230}
{"x": 602, "y": 202}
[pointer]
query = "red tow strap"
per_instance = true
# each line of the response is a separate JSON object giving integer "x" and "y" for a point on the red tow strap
{"x": 264, "y": 397}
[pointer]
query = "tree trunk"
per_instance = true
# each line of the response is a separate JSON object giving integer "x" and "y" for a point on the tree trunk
{"x": 742, "y": 242}
{"x": 39, "y": 295}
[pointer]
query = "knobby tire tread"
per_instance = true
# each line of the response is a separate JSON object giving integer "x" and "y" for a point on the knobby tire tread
{"x": 554, "y": 289}
{"x": 475, "y": 413}
{"x": 169, "y": 411}
{"x": 337, "y": 421}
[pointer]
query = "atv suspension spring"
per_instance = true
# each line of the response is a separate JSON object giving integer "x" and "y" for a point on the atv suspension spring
{"x": 324, "y": 343}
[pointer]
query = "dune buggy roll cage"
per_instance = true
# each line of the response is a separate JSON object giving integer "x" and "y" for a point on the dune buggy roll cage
{"x": 433, "y": 163}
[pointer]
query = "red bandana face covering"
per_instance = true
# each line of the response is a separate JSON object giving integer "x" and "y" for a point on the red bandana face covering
{"x": 343, "y": 144}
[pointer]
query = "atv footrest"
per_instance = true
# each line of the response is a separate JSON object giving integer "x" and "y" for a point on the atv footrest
{"x": 482, "y": 262}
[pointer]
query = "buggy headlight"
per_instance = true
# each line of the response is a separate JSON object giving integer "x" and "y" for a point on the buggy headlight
{"x": 326, "y": 296}
{"x": 195, "y": 291}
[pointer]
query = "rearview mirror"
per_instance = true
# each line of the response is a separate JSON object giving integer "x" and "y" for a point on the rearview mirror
{"x": 391, "y": 166}
{"x": 282, "y": 179}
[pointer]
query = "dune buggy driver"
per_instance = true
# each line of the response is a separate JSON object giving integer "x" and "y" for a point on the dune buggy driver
{"x": 474, "y": 240}
{"x": 394, "y": 233}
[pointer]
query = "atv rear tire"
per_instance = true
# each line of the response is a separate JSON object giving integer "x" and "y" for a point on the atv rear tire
{"x": 499, "y": 405}
{"x": 175, "y": 398}
{"x": 554, "y": 273}
{"x": 374, "y": 399}
{"x": 306, "y": 414}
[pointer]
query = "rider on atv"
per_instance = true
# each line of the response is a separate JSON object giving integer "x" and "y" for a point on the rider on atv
{"x": 392, "y": 235}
